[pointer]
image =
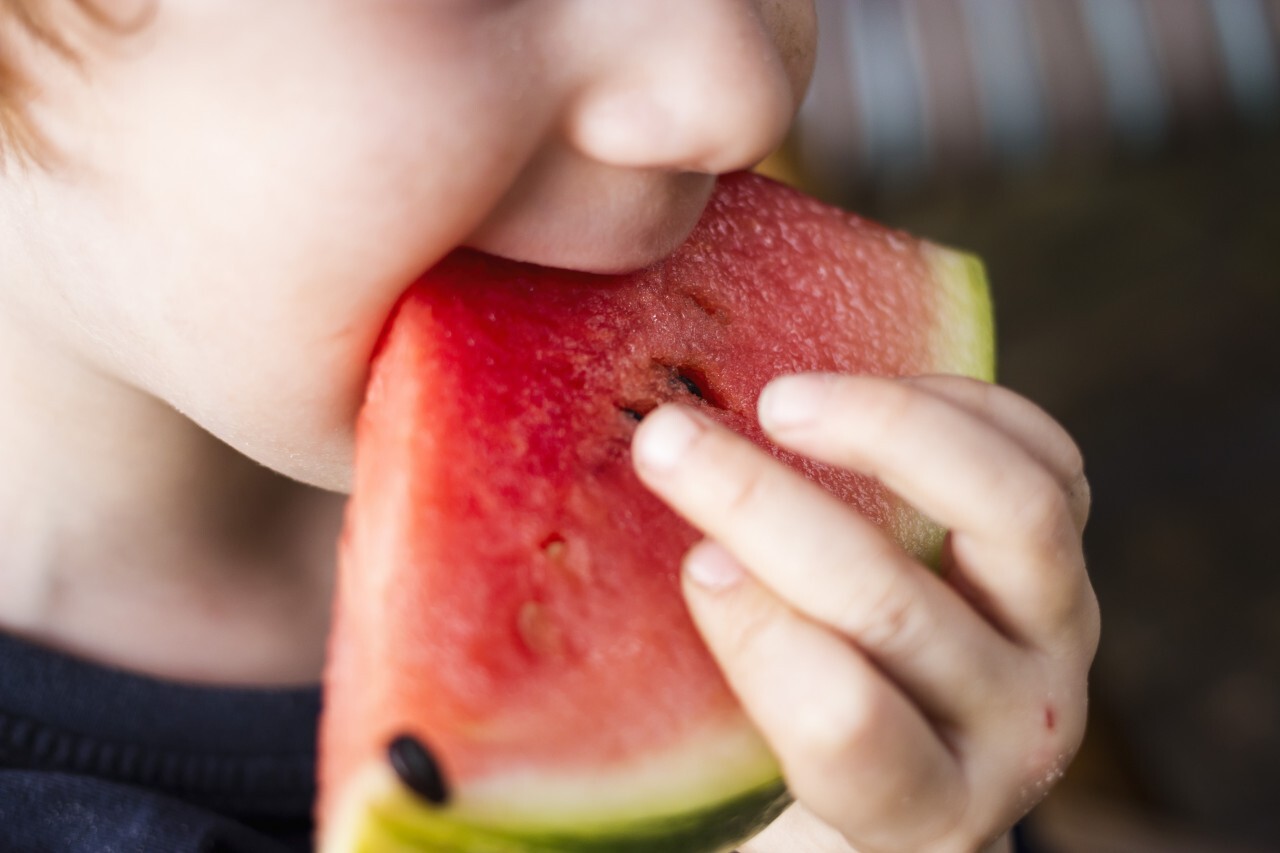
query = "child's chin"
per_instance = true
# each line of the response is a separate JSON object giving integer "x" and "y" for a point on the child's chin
{"x": 328, "y": 466}
{"x": 329, "y": 474}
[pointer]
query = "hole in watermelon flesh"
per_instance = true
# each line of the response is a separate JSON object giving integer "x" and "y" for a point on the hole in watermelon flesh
{"x": 553, "y": 546}
{"x": 670, "y": 382}
{"x": 715, "y": 311}
{"x": 539, "y": 632}
{"x": 693, "y": 379}
{"x": 690, "y": 385}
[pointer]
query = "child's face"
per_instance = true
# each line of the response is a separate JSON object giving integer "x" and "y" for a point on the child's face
{"x": 247, "y": 186}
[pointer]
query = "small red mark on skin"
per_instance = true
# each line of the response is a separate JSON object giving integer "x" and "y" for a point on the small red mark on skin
{"x": 1050, "y": 718}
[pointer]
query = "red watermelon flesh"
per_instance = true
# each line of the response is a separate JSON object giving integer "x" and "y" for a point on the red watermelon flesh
{"x": 509, "y": 592}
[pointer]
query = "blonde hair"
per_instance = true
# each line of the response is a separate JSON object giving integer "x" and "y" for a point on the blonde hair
{"x": 34, "y": 18}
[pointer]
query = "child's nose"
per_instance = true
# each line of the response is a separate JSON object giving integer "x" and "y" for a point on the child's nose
{"x": 690, "y": 85}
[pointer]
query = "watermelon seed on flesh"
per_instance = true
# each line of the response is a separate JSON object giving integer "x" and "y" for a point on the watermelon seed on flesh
{"x": 418, "y": 769}
{"x": 685, "y": 382}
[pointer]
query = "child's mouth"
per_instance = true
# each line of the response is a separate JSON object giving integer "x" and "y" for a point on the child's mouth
{"x": 612, "y": 233}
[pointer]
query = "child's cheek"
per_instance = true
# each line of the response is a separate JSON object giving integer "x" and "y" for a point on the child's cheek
{"x": 262, "y": 198}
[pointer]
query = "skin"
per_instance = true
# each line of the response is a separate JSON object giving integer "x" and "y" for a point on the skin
{"x": 235, "y": 196}
{"x": 193, "y": 279}
{"x": 931, "y": 710}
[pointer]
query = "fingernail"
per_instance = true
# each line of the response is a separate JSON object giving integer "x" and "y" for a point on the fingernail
{"x": 712, "y": 567}
{"x": 793, "y": 401}
{"x": 664, "y": 437}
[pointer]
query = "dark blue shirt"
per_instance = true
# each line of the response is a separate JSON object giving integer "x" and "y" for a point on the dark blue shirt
{"x": 97, "y": 760}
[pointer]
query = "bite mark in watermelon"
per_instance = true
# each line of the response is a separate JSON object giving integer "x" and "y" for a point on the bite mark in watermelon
{"x": 508, "y": 592}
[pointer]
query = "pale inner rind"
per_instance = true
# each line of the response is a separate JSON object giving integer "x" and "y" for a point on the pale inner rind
{"x": 707, "y": 769}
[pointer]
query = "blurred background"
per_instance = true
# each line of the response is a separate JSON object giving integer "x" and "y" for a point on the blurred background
{"x": 1117, "y": 165}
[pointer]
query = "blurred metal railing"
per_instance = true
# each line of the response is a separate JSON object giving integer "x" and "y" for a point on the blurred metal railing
{"x": 909, "y": 88}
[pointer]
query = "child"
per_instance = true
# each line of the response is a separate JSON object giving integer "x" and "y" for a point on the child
{"x": 218, "y": 205}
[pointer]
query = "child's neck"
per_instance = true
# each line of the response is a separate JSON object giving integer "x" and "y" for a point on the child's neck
{"x": 130, "y": 536}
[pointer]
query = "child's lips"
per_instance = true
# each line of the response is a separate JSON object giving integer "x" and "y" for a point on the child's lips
{"x": 609, "y": 233}
{"x": 595, "y": 259}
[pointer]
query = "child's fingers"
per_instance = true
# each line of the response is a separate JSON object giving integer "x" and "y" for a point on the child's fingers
{"x": 853, "y": 748}
{"x": 830, "y": 564}
{"x": 797, "y": 831}
{"x": 1010, "y": 517}
{"x": 1026, "y": 423}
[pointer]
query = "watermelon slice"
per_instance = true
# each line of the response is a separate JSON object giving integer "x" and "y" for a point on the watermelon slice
{"x": 512, "y": 667}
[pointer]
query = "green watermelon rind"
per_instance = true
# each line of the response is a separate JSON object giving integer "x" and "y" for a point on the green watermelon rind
{"x": 963, "y": 344}
{"x": 964, "y": 340}
{"x": 402, "y": 823}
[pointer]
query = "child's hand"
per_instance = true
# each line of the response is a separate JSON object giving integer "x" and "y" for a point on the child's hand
{"x": 910, "y": 711}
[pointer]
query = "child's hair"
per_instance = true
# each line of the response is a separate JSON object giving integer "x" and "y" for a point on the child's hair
{"x": 35, "y": 19}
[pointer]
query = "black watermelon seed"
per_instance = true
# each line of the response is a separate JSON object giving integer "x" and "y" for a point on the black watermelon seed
{"x": 690, "y": 383}
{"x": 418, "y": 769}
{"x": 693, "y": 379}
